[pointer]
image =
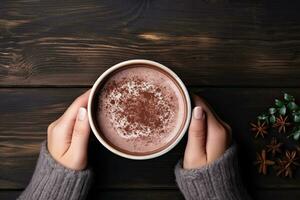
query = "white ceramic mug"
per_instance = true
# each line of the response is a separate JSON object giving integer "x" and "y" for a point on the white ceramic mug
{"x": 100, "y": 81}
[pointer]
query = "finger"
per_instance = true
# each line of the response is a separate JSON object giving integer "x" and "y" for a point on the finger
{"x": 211, "y": 114}
{"x": 65, "y": 123}
{"x": 197, "y": 130}
{"x": 198, "y": 101}
{"x": 218, "y": 137}
{"x": 56, "y": 141}
{"x": 51, "y": 126}
{"x": 195, "y": 153}
{"x": 80, "y": 136}
{"x": 71, "y": 113}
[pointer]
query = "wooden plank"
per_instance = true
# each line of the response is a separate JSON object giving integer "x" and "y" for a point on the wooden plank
{"x": 95, "y": 194}
{"x": 135, "y": 194}
{"x": 208, "y": 43}
{"x": 9, "y": 194}
{"x": 115, "y": 194}
{"x": 175, "y": 194}
{"x": 25, "y": 114}
{"x": 275, "y": 194}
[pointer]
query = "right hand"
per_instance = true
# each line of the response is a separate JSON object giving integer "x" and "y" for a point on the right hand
{"x": 208, "y": 136}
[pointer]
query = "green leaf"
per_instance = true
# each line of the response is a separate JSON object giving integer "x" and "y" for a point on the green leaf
{"x": 262, "y": 117}
{"x": 297, "y": 118}
{"x": 292, "y": 106}
{"x": 272, "y": 111}
{"x": 282, "y": 110}
{"x": 272, "y": 119}
{"x": 296, "y": 135}
{"x": 295, "y": 112}
{"x": 288, "y": 97}
{"x": 267, "y": 120}
{"x": 279, "y": 103}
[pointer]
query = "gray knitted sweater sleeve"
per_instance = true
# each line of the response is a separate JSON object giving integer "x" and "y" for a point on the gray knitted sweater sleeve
{"x": 52, "y": 181}
{"x": 219, "y": 180}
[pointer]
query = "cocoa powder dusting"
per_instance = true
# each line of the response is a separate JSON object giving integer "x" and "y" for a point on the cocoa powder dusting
{"x": 137, "y": 109}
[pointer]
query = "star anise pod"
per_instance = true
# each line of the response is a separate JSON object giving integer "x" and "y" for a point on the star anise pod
{"x": 291, "y": 158}
{"x": 263, "y": 162}
{"x": 288, "y": 164}
{"x": 274, "y": 147}
{"x": 260, "y": 129}
{"x": 282, "y": 169}
{"x": 281, "y": 123}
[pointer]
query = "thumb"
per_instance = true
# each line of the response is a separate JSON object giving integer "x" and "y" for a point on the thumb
{"x": 195, "y": 152}
{"x": 80, "y": 136}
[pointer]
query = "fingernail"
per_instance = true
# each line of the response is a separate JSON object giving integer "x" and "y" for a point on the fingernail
{"x": 198, "y": 113}
{"x": 81, "y": 113}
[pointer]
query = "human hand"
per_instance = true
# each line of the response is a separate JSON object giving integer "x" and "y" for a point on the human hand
{"x": 208, "y": 136}
{"x": 68, "y": 136}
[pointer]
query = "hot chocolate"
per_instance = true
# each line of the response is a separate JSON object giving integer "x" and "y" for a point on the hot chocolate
{"x": 141, "y": 109}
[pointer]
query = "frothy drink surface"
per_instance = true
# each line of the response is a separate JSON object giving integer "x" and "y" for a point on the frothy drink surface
{"x": 141, "y": 109}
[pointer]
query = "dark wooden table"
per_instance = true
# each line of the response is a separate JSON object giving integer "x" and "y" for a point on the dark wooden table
{"x": 239, "y": 55}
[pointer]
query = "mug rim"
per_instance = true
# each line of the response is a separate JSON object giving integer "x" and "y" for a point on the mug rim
{"x": 130, "y": 62}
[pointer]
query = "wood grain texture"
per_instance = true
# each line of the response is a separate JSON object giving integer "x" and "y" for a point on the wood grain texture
{"x": 208, "y": 43}
{"x": 26, "y": 113}
{"x": 9, "y": 194}
{"x": 176, "y": 195}
{"x": 242, "y": 53}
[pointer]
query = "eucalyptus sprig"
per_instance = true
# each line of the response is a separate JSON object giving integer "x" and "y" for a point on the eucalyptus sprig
{"x": 284, "y": 107}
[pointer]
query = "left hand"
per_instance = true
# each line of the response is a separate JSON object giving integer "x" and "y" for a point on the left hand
{"x": 68, "y": 136}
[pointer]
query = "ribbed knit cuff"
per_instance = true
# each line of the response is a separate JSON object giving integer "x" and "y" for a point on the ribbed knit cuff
{"x": 218, "y": 180}
{"x": 53, "y": 181}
